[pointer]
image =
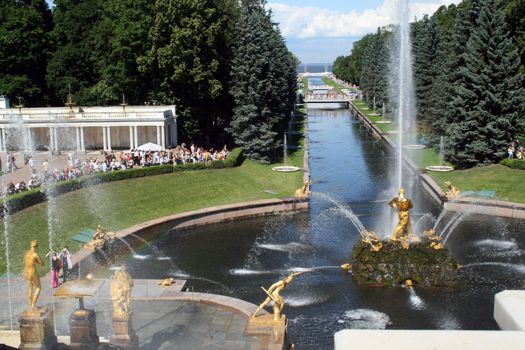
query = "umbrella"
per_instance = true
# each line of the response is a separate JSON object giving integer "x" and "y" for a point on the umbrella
{"x": 149, "y": 147}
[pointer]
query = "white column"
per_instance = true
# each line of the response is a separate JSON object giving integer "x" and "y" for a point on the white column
{"x": 51, "y": 140}
{"x": 131, "y": 138}
{"x": 136, "y": 136}
{"x": 158, "y": 135}
{"x": 55, "y": 139}
{"x": 82, "y": 147}
{"x": 109, "y": 138}
{"x": 105, "y": 145}
{"x": 78, "y": 138}
{"x": 3, "y": 140}
{"x": 163, "y": 137}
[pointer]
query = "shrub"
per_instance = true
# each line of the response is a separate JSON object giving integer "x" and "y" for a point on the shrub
{"x": 514, "y": 163}
{"x": 26, "y": 199}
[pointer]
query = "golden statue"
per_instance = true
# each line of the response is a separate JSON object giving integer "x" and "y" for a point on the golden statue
{"x": 100, "y": 237}
{"x": 31, "y": 259}
{"x": 452, "y": 192}
{"x": 435, "y": 240}
{"x": 304, "y": 191}
{"x": 403, "y": 205}
{"x": 120, "y": 290}
{"x": 372, "y": 239}
{"x": 167, "y": 282}
{"x": 346, "y": 267}
{"x": 274, "y": 295}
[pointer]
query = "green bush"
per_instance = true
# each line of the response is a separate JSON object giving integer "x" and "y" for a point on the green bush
{"x": 514, "y": 163}
{"x": 26, "y": 199}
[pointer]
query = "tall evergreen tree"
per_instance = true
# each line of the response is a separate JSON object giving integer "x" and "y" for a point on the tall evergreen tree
{"x": 489, "y": 98}
{"x": 263, "y": 83}
{"x": 426, "y": 46}
{"x": 374, "y": 78}
{"x": 24, "y": 47}
{"x": 190, "y": 63}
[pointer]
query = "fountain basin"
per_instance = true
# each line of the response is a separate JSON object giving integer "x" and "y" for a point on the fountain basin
{"x": 393, "y": 265}
{"x": 285, "y": 169}
{"x": 414, "y": 147}
{"x": 440, "y": 168}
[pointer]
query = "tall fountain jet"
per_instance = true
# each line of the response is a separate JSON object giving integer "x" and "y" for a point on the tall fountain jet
{"x": 402, "y": 85}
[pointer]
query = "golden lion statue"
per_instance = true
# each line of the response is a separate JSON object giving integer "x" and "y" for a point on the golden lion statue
{"x": 435, "y": 240}
{"x": 100, "y": 237}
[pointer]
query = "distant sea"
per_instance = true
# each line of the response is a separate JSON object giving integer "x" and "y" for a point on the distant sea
{"x": 314, "y": 67}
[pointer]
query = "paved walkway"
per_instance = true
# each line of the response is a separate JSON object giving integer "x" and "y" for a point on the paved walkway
{"x": 55, "y": 162}
{"x": 160, "y": 318}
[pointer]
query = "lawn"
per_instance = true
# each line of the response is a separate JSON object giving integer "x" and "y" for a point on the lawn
{"x": 507, "y": 182}
{"x": 117, "y": 205}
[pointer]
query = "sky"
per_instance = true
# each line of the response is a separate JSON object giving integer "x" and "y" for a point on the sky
{"x": 319, "y": 31}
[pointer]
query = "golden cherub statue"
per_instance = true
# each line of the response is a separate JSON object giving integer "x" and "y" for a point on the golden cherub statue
{"x": 120, "y": 290}
{"x": 372, "y": 239}
{"x": 31, "y": 260}
{"x": 452, "y": 192}
{"x": 403, "y": 205}
{"x": 274, "y": 295}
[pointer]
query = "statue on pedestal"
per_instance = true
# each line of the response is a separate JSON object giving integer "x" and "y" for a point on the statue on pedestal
{"x": 403, "y": 205}
{"x": 452, "y": 192}
{"x": 120, "y": 290}
{"x": 274, "y": 295}
{"x": 100, "y": 237}
{"x": 31, "y": 260}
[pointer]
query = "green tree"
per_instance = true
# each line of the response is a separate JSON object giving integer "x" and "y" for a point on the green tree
{"x": 426, "y": 47}
{"x": 514, "y": 11}
{"x": 263, "y": 83}
{"x": 374, "y": 74}
{"x": 489, "y": 100}
{"x": 189, "y": 62}
{"x": 24, "y": 47}
{"x": 82, "y": 37}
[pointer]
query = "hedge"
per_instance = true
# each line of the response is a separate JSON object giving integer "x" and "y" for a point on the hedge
{"x": 23, "y": 200}
{"x": 514, "y": 163}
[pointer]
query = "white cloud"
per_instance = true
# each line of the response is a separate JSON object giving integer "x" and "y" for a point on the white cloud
{"x": 309, "y": 21}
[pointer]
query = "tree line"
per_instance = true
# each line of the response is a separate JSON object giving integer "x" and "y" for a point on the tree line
{"x": 468, "y": 73}
{"x": 224, "y": 63}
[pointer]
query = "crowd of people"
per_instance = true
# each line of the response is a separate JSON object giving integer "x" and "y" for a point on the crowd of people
{"x": 515, "y": 150}
{"x": 108, "y": 162}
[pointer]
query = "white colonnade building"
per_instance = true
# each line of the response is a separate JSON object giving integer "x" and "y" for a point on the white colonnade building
{"x": 86, "y": 128}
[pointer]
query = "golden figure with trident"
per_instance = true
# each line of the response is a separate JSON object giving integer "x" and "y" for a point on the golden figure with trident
{"x": 274, "y": 295}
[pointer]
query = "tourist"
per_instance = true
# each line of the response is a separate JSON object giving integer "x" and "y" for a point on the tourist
{"x": 45, "y": 165}
{"x": 55, "y": 268}
{"x": 67, "y": 264}
{"x": 510, "y": 152}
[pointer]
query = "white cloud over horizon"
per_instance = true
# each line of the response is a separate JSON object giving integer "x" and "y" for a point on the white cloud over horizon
{"x": 316, "y": 22}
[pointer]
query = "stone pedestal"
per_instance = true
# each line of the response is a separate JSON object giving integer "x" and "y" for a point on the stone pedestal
{"x": 83, "y": 329}
{"x": 123, "y": 334}
{"x": 37, "y": 329}
{"x": 275, "y": 331}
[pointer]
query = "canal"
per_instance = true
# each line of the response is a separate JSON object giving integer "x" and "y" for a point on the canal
{"x": 349, "y": 170}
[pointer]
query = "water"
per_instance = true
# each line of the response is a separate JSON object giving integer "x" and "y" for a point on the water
{"x": 244, "y": 255}
{"x": 402, "y": 86}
